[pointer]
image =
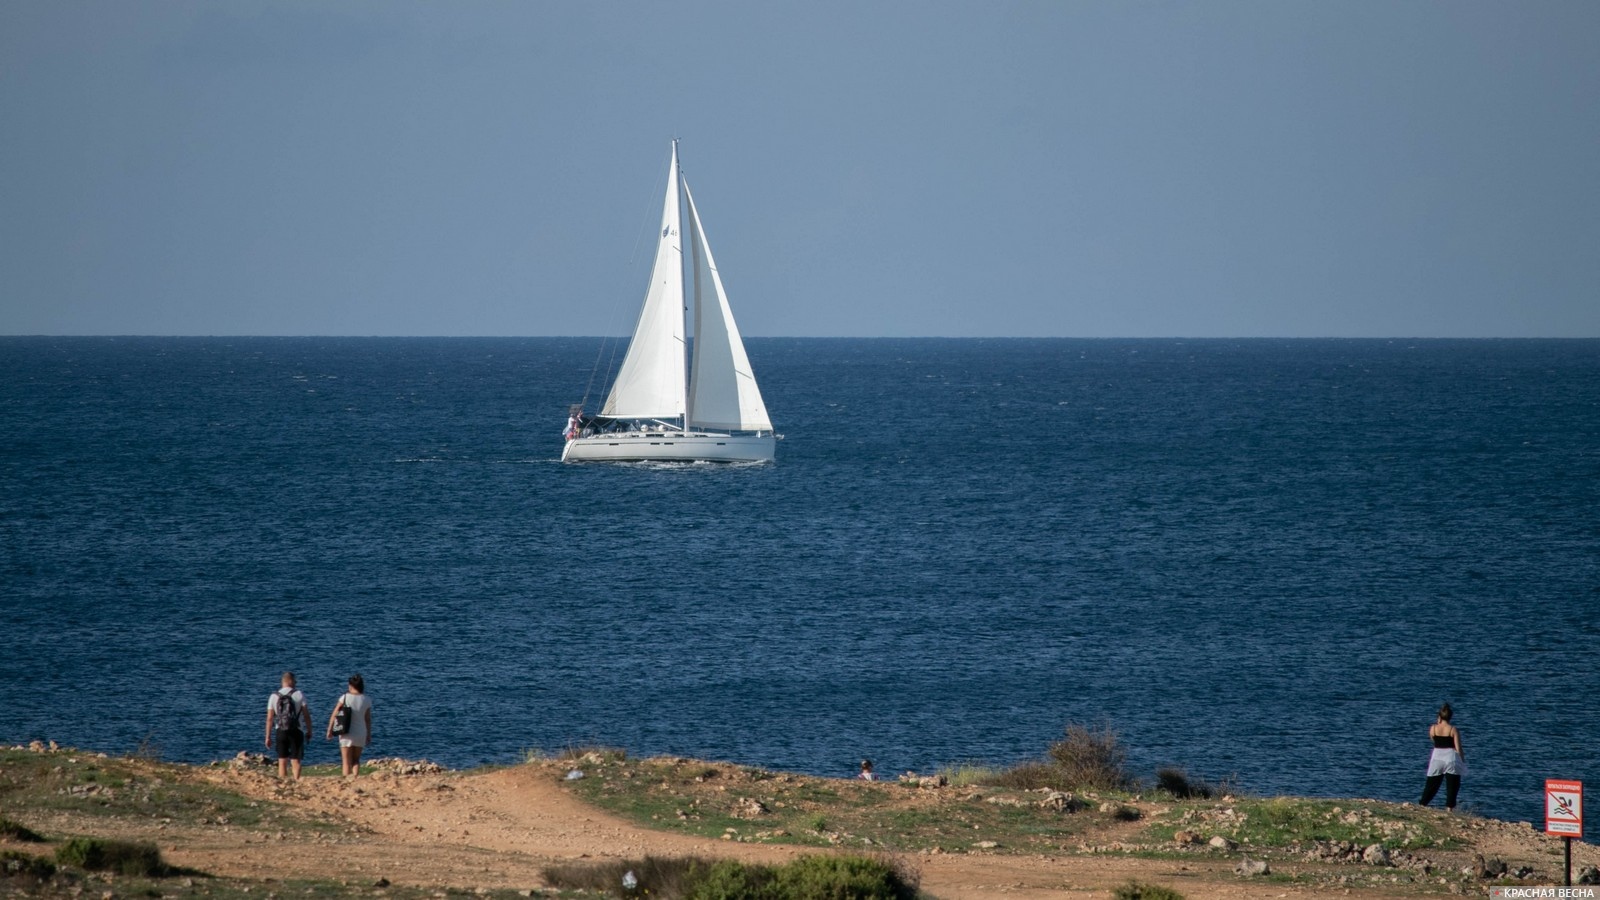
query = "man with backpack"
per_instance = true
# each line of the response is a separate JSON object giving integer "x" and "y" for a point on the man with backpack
{"x": 288, "y": 721}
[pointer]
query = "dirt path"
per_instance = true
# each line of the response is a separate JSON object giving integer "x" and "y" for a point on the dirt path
{"x": 499, "y": 829}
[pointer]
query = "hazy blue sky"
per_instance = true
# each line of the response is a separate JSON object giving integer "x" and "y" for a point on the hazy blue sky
{"x": 909, "y": 168}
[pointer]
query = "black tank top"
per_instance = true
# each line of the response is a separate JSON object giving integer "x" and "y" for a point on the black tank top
{"x": 1444, "y": 742}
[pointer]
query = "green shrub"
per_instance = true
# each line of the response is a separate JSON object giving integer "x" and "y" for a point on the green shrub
{"x": 16, "y": 831}
{"x": 844, "y": 878}
{"x": 147, "y": 749}
{"x": 730, "y": 880}
{"x": 1135, "y": 890}
{"x": 1084, "y": 759}
{"x": 1176, "y": 782}
{"x": 1091, "y": 758}
{"x": 14, "y": 864}
{"x": 125, "y": 857}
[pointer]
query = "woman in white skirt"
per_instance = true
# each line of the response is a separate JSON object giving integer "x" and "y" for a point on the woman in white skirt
{"x": 1447, "y": 764}
{"x": 359, "y": 733}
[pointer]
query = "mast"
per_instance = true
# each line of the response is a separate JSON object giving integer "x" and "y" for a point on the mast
{"x": 677, "y": 173}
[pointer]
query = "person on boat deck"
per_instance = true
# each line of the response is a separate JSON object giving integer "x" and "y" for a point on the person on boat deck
{"x": 1447, "y": 763}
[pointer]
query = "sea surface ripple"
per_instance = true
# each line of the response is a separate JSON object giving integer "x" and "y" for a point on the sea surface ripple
{"x": 1265, "y": 559}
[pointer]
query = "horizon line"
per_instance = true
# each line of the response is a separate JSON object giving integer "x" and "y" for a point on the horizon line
{"x": 846, "y": 337}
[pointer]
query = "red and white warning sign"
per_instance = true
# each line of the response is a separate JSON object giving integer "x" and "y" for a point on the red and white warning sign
{"x": 1563, "y": 807}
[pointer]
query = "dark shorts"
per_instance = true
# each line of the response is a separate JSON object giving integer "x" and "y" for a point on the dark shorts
{"x": 291, "y": 743}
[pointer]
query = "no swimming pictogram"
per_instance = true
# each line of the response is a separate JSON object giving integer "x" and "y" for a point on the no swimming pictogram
{"x": 1563, "y": 807}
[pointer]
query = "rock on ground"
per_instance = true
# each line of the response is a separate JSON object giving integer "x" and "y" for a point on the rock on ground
{"x": 1251, "y": 868}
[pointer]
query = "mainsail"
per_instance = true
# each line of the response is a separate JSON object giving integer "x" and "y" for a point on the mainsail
{"x": 650, "y": 384}
{"x": 722, "y": 388}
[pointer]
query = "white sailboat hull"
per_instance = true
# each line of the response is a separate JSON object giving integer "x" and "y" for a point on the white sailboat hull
{"x": 670, "y": 447}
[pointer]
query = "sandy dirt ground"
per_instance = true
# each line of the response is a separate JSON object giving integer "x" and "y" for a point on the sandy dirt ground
{"x": 501, "y": 828}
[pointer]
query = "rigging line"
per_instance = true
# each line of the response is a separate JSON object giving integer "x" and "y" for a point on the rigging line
{"x": 588, "y": 388}
{"x": 605, "y": 338}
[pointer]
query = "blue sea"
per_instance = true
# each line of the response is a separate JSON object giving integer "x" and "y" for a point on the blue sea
{"x": 1267, "y": 560}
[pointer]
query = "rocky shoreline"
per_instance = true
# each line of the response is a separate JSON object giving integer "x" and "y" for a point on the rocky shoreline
{"x": 417, "y": 824}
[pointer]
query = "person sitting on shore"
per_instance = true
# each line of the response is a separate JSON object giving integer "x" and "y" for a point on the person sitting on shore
{"x": 866, "y": 771}
{"x": 1448, "y": 762}
{"x": 358, "y": 731}
{"x": 288, "y": 721}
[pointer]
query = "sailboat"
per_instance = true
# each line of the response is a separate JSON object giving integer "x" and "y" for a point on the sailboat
{"x": 672, "y": 400}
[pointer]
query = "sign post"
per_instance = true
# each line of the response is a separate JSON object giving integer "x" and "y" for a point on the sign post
{"x": 1563, "y": 814}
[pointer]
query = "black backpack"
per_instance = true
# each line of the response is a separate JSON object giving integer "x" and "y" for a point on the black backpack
{"x": 288, "y": 712}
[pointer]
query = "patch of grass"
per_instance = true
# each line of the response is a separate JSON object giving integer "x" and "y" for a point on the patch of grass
{"x": 25, "y": 867}
{"x": 663, "y": 795}
{"x": 969, "y": 774}
{"x": 64, "y": 883}
{"x": 240, "y": 889}
{"x": 1286, "y": 821}
{"x": 693, "y": 878}
{"x": 656, "y": 876}
{"x": 592, "y": 753}
{"x": 122, "y": 857}
{"x": 1138, "y": 890}
{"x": 1029, "y": 776}
{"x": 1150, "y": 853}
{"x": 110, "y": 787}
{"x": 1281, "y": 820}
{"x": 16, "y": 831}
{"x": 806, "y": 811}
{"x": 332, "y": 770}
{"x": 819, "y": 792}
